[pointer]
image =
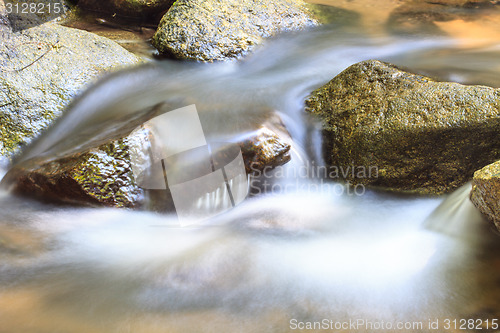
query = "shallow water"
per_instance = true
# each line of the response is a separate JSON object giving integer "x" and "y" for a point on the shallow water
{"x": 297, "y": 254}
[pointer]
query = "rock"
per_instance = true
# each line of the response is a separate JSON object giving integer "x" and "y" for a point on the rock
{"x": 100, "y": 176}
{"x": 340, "y": 17}
{"x": 103, "y": 176}
{"x": 421, "y": 135}
{"x": 23, "y": 16}
{"x": 43, "y": 69}
{"x": 264, "y": 148}
{"x": 210, "y": 30}
{"x": 417, "y": 16}
{"x": 485, "y": 193}
{"x": 137, "y": 9}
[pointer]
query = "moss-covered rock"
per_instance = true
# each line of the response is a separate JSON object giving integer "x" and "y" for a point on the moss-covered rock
{"x": 423, "y": 135}
{"x": 485, "y": 193}
{"x": 264, "y": 148}
{"x": 210, "y": 30}
{"x": 416, "y": 16}
{"x": 42, "y": 69}
{"x": 103, "y": 176}
{"x": 138, "y": 9}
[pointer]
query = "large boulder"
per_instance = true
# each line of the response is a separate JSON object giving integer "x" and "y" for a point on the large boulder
{"x": 43, "y": 68}
{"x": 210, "y": 30}
{"x": 420, "y": 134}
{"x": 485, "y": 193}
{"x": 137, "y": 9}
{"x": 103, "y": 176}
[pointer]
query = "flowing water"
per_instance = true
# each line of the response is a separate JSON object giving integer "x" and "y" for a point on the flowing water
{"x": 298, "y": 254}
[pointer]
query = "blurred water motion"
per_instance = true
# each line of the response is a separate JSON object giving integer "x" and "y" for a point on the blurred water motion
{"x": 301, "y": 254}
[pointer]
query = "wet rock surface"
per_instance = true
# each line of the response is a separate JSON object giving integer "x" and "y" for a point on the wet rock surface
{"x": 416, "y": 16}
{"x": 485, "y": 193}
{"x": 100, "y": 176}
{"x": 264, "y": 149}
{"x": 137, "y": 9}
{"x": 218, "y": 30}
{"x": 267, "y": 147}
{"x": 327, "y": 14}
{"x": 42, "y": 69}
{"x": 422, "y": 135}
{"x": 104, "y": 176}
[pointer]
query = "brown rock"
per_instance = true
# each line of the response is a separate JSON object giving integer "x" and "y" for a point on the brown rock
{"x": 485, "y": 193}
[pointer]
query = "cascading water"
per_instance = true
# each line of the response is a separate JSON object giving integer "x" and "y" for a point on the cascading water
{"x": 297, "y": 254}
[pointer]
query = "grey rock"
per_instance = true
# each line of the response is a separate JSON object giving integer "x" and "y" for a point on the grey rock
{"x": 43, "y": 69}
{"x": 27, "y": 14}
{"x": 485, "y": 193}
{"x": 209, "y": 30}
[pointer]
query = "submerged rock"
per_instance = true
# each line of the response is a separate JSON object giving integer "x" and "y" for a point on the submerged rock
{"x": 43, "y": 68}
{"x": 100, "y": 176}
{"x": 139, "y": 9}
{"x": 340, "y": 17}
{"x": 422, "y": 135}
{"x": 208, "y": 30}
{"x": 416, "y": 16}
{"x": 103, "y": 176}
{"x": 485, "y": 193}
